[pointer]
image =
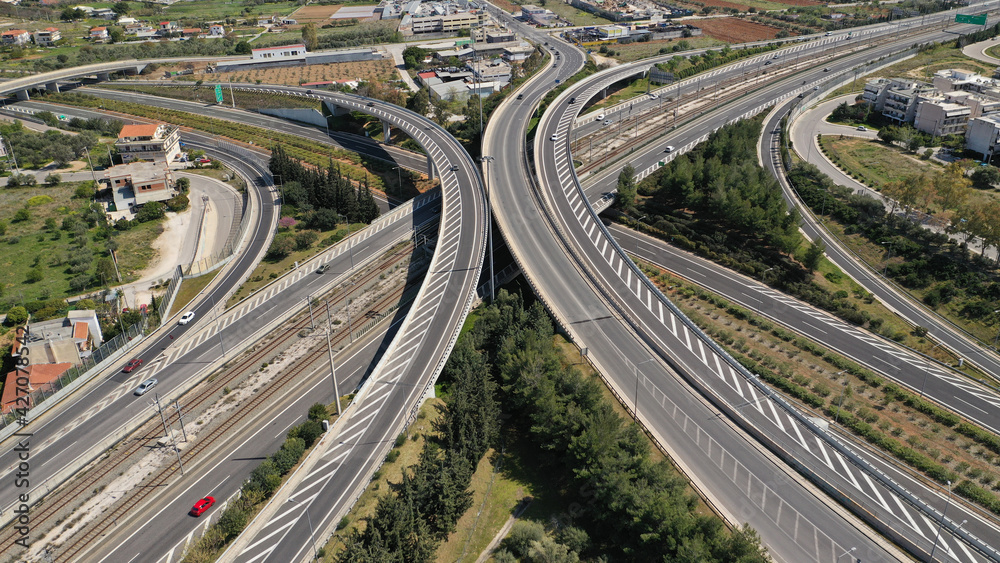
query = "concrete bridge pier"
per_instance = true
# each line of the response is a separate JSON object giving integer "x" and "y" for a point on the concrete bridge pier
{"x": 52, "y": 87}
{"x": 387, "y": 132}
{"x": 335, "y": 110}
{"x": 104, "y": 76}
{"x": 22, "y": 95}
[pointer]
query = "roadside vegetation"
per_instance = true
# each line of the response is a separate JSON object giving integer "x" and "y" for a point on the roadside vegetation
{"x": 265, "y": 479}
{"x": 939, "y": 271}
{"x": 509, "y": 363}
{"x": 926, "y": 437}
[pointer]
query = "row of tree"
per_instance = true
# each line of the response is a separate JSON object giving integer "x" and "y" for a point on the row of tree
{"x": 322, "y": 195}
{"x": 718, "y": 202}
{"x": 421, "y": 510}
{"x": 924, "y": 259}
{"x": 630, "y": 507}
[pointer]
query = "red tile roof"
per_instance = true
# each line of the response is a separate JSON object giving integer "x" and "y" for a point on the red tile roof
{"x": 13, "y": 32}
{"x": 139, "y": 130}
{"x": 39, "y": 375}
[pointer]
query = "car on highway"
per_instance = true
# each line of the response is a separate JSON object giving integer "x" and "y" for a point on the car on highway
{"x": 862, "y": 128}
{"x": 826, "y": 70}
{"x": 827, "y": 34}
{"x": 600, "y": 117}
{"x": 453, "y": 168}
{"x": 322, "y": 269}
{"x": 572, "y": 100}
{"x": 554, "y": 138}
{"x": 370, "y": 104}
{"x": 186, "y": 318}
{"x": 201, "y": 506}
{"x": 767, "y": 63}
{"x": 670, "y": 148}
{"x": 607, "y": 122}
{"x": 132, "y": 365}
{"x": 520, "y": 96}
{"x": 654, "y": 96}
{"x": 145, "y": 386}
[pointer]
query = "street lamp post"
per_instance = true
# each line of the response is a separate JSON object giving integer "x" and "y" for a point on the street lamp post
{"x": 843, "y": 393}
{"x": 889, "y": 257}
{"x": 312, "y": 534}
{"x": 941, "y": 523}
{"x": 399, "y": 181}
{"x": 849, "y": 551}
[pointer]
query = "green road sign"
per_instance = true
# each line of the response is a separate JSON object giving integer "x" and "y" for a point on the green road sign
{"x": 977, "y": 20}
{"x": 218, "y": 93}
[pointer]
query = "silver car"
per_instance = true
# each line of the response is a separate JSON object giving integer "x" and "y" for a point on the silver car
{"x": 145, "y": 386}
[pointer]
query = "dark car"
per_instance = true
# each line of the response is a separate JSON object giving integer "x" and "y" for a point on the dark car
{"x": 371, "y": 104}
{"x": 572, "y": 100}
{"x": 322, "y": 269}
{"x": 520, "y": 96}
{"x": 201, "y": 506}
{"x": 454, "y": 168}
{"x": 132, "y": 365}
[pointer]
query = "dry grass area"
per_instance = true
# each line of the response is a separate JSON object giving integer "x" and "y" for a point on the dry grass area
{"x": 375, "y": 71}
{"x": 735, "y": 30}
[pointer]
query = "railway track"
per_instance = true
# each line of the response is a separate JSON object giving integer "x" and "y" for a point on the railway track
{"x": 80, "y": 488}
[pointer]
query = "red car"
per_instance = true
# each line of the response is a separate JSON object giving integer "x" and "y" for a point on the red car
{"x": 201, "y": 506}
{"x": 132, "y": 365}
{"x": 204, "y": 161}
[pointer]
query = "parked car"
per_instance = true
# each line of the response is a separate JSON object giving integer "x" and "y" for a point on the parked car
{"x": 186, "y": 318}
{"x": 201, "y": 506}
{"x": 145, "y": 386}
{"x": 132, "y": 365}
{"x": 204, "y": 160}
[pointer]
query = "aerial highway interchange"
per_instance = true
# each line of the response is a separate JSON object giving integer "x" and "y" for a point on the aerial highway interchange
{"x": 582, "y": 273}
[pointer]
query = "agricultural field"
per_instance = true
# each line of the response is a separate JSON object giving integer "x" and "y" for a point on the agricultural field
{"x": 735, "y": 30}
{"x": 745, "y": 5}
{"x": 375, "y": 71}
{"x": 315, "y": 13}
{"x": 211, "y": 10}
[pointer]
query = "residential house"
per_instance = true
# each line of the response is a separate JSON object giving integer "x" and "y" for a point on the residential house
{"x": 15, "y": 37}
{"x": 69, "y": 339}
{"x": 216, "y": 30}
{"x": 167, "y": 26}
{"x": 99, "y": 34}
{"x": 191, "y": 32}
{"x": 281, "y": 52}
{"x": 47, "y": 37}
{"x": 135, "y": 184}
{"x": 152, "y": 141}
{"x": 40, "y": 378}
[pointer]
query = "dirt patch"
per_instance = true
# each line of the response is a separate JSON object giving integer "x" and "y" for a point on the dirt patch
{"x": 375, "y": 71}
{"x": 735, "y": 30}
{"x": 314, "y": 13}
{"x": 799, "y": 2}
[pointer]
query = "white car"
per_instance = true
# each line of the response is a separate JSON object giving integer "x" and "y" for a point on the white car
{"x": 607, "y": 122}
{"x": 652, "y": 95}
{"x": 554, "y": 138}
{"x": 600, "y": 117}
{"x": 186, "y": 318}
{"x": 862, "y": 128}
{"x": 670, "y": 148}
